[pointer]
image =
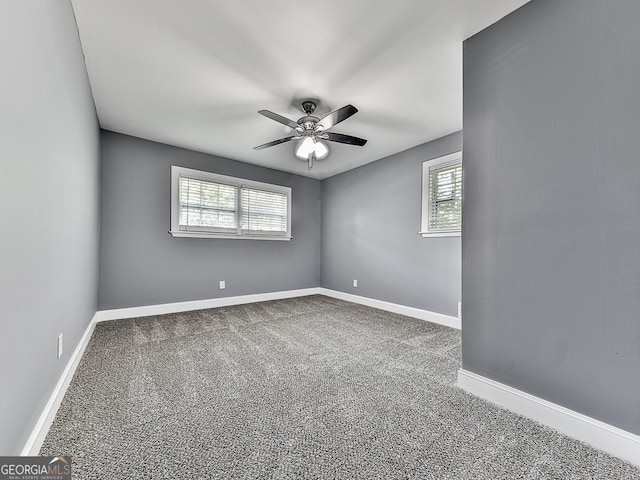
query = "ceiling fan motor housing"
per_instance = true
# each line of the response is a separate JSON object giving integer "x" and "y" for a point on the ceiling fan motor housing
{"x": 308, "y": 122}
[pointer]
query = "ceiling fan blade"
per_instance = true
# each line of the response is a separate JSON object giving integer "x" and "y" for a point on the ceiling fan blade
{"x": 279, "y": 118}
{"x": 337, "y": 116}
{"x": 341, "y": 138}
{"x": 275, "y": 142}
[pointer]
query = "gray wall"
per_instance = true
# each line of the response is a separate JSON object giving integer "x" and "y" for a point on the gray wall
{"x": 142, "y": 264}
{"x": 370, "y": 223}
{"x": 551, "y": 229}
{"x": 49, "y": 165}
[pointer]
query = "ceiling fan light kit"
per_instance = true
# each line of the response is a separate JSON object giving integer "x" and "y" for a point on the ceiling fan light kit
{"x": 311, "y": 132}
{"x": 306, "y": 145}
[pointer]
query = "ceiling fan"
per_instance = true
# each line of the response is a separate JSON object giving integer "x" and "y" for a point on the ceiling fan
{"x": 311, "y": 131}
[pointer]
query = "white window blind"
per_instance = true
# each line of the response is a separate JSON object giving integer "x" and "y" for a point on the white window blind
{"x": 208, "y": 204}
{"x": 264, "y": 212}
{"x": 442, "y": 196}
{"x": 445, "y": 205}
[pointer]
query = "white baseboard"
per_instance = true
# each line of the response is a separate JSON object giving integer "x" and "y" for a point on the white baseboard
{"x": 598, "y": 434}
{"x": 427, "y": 315}
{"x": 163, "y": 308}
{"x": 39, "y": 432}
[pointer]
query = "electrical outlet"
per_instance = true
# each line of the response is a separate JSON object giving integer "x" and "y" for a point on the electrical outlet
{"x": 223, "y": 285}
{"x": 59, "y": 345}
{"x": 355, "y": 283}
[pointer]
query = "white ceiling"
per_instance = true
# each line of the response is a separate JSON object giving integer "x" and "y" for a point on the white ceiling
{"x": 194, "y": 73}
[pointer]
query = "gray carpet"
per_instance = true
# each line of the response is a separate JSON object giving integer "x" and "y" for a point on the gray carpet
{"x": 302, "y": 388}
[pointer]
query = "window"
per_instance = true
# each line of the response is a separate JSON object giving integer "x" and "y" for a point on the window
{"x": 206, "y": 204}
{"x": 442, "y": 196}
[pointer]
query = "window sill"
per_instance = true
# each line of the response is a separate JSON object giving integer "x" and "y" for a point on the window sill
{"x": 439, "y": 234}
{"x": 228, "y": 236}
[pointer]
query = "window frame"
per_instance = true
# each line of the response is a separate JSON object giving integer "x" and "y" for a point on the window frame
{"x": 177, "y": 172}
{"x": 426, "y": 231}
